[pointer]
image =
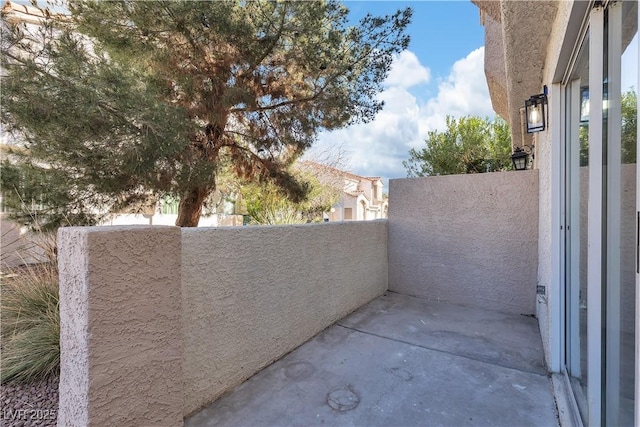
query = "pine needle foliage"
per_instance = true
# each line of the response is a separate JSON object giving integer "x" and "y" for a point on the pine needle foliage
{"x": 128, "y": 101}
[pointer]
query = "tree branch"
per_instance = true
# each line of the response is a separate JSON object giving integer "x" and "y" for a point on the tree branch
{"x": 278, "y": 105}
{"x": 271, "y": 46}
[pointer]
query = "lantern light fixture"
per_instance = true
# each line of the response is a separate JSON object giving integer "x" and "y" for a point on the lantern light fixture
{"x": 522, "y": 157}
{"x": 535, "y": 112}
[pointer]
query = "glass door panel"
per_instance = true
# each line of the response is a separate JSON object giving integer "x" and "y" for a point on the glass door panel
{"x": 621, "y": 144}
{"x": 576, "y": 193}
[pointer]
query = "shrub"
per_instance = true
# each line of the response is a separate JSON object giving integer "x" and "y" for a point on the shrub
{"x": 30, "y": 318}
{"x": 273, "y": 216}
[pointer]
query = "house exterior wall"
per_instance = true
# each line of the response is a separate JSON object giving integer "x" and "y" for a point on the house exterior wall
{"x": 466, "y": 239}
{"x": 253, "y": 294}
{"x": 520, "y": 27}
{"x": 546, "y": 148}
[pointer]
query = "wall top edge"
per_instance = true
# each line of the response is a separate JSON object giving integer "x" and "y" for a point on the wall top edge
{"x": 284, "y": 227}
{"x": 485, "y": 175}
{"x": 116, "y": 228}
{"x": 147, "y": 228}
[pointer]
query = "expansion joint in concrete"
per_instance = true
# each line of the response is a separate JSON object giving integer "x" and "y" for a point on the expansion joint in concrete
{"x": 440, "y": 350}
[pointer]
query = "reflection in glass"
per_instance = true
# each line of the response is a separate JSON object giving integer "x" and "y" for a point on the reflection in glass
{"x": 621, "y": 222}
{"x": 584, "y": 105}
{"x": 577, "y": 191}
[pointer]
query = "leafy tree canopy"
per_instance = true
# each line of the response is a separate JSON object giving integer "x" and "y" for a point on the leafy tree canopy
{"x": 468, "y": 145}
{"x": 127, "y": 101}
{"x": 266, "y": 205}
{"x": 629, "y": 126}
{"x": 628, "y": 150}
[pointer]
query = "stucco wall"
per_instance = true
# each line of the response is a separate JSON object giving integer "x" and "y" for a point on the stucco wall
{"x": 252, "y": 294}
{"x": 466, "y": 239}
{"x": 120, "y": 305}
{"x": 159, "y": 321}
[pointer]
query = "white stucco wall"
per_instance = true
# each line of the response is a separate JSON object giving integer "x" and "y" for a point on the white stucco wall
{"x": 466, "y": 239}
{"x": 253, "y": 294}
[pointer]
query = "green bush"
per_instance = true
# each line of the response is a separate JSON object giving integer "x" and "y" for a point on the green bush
{"x": 30, "y": 318}
{"x": 274, "y": 216}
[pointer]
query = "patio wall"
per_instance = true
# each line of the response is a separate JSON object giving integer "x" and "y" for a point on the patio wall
{"x": 158, "y": 321}
{"x": 120, "y": 326}
{"x": 253, "y": 294}
{"x": 466, "y": 239}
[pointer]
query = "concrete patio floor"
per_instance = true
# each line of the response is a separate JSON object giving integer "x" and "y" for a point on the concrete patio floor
{"x": 401, "y": 361}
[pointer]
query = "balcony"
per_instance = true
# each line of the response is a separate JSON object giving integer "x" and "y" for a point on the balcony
{"x": 404, "y": 361}
{"x": 424, "y": 319}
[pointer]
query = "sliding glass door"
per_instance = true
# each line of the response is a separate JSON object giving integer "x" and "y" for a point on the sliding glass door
{"x": 600, "y": 122}
{"x": 577, "y": 195}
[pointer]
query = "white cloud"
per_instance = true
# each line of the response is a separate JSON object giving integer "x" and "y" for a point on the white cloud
{"x": 379, "y": 147}
{"x": 406, "y": 71}
{"x": 463, "y": 92}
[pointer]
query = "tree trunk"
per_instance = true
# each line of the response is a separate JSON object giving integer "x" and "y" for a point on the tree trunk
{"x": 190, "y": 207}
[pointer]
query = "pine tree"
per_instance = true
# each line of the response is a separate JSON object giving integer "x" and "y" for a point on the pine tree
{"x": 129, "y": 101}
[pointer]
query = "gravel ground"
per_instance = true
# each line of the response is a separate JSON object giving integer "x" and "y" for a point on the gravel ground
{"x": 26, "y": 405}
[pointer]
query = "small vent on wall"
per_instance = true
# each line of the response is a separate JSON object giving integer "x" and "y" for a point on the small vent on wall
{"x": 540, "y": 290}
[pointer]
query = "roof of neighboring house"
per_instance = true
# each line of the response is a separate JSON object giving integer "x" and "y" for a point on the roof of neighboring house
{"x": 357, "y": 193}
{"x": 16, "y": 13}
{"x": 335, "y": 171}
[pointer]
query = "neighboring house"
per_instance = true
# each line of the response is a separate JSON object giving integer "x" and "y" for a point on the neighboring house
{"x": 586, "y": 55}
{"x": 362, "y": 198}
{"x": 18, "y": 13}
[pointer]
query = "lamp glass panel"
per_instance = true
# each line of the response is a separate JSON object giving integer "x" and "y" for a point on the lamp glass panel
{"x": 519, "y": 162}
{"x": 534, "y": 116}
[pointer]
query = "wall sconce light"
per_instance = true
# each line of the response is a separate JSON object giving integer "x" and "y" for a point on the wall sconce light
{"x": 520, "y": 157}
{"x": 535, "y": 112}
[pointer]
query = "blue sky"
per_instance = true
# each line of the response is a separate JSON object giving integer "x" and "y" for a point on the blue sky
{"x": 440, "y": 30}
{"x": 441, "y": 73}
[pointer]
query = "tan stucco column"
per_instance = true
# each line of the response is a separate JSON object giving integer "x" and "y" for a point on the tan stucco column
{"x": 120, "y": 326}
